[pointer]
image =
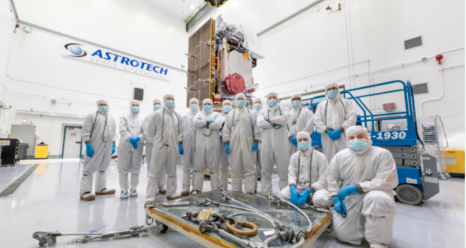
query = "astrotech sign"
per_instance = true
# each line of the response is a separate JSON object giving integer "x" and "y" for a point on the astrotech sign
{"x": 110, "y": 59}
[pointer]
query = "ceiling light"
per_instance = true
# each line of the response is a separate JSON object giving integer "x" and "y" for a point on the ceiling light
{"x": 192, "y": 6}
{"x": 216, "y": 3}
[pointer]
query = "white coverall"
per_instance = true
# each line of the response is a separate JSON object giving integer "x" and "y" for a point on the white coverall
{"x": 258, "y": 153}
{"x": 240, "y": 126}
{"x": 167, "y": 129}
{"x": 104, "y": 133}
{"x": 274, "y": 146}
{"x": 369, "y": 214}
{"x": 207, "y": 148}
{"x": 189, "y": 148}
{"x": 334, "y": 114}
{"x": 149, "y": 147}
{"x": 318, "y": 174}
{"x": 130, "y": 159}
{"x": 223, "y": 159}
{"x": 301, "y": 119}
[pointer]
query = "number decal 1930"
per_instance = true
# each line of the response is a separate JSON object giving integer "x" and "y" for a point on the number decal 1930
{"x": 391, "y": 135}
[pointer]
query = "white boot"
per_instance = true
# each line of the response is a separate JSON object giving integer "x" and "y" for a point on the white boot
{"x": 88, "y": 197}
{"x": 124, "y": 195}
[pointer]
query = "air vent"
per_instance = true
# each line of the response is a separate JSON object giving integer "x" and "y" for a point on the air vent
{"x": 138, "y": 94}
{"x": 414, "y": 42}
{"x": 420, "y": 89}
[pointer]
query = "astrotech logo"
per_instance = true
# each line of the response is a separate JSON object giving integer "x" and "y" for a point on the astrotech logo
{"x": 75, "y": 50}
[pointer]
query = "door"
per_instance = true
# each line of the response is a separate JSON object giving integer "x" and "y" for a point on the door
{"x": 72, "y": 142}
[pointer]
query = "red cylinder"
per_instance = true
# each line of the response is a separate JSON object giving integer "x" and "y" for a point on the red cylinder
{"x": 234, "y": 84}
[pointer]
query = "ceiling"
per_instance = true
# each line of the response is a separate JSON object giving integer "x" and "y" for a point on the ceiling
{"x": 179, "y": 8}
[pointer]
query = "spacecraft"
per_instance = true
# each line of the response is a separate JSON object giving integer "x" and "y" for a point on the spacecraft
{"x": 221, "y": 57}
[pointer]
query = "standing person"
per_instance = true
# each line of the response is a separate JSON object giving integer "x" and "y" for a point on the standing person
{"x": 307, "y": 175}
{"x": 241, "y": 137}
{"x": 189, "y": 139}
{"x": 149, "y": 145}
{"x": 301, "y": 119}
{"x": 130, "y": 150}
{"x": 99, "y": 134}
{"x": 257, "y": 108}
{"x": 207, "y": 124}
{"x": 361, "y": 180}
{"x": 166, "y": 127}
{"x": 275, "y": 145}
{"x": 223, "y": 156}
{"x": 332, "y": 118}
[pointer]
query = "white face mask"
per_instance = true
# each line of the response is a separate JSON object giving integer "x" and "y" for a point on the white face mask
{"x": 357, "y": 144}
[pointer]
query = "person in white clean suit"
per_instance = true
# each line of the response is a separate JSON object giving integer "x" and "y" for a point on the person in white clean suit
{"x": 274, "y": 143}
{"x": 307, "y": 175}
{"x": 167, "y": 129}
{"x": 130, "y": 150}
{"x": 361, "y": 179}
{"x": 301, "y": 119}
{"x": 333, "y": 116}
{"x": 99, "y": 134}
{"x": 157, "y": 104}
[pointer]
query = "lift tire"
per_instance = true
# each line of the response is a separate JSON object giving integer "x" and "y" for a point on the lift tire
{"x": 409, "y": 194}
{"x": 164, "y": 228}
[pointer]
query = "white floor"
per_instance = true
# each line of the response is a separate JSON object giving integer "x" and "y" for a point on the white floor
{"x": 48, "y": 201}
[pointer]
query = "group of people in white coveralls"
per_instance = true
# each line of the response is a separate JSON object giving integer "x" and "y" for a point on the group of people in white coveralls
{"x": 350, "y": 174}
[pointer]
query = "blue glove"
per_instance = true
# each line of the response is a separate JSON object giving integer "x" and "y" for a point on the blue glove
{"x": 294, "y": 195}
{"x": 113, "y": 149}
{"x": 294, "y": 140}
{"x": 227, "y": 149}
{"x": 346, "y": 191}
{"x": 211, "y": 122}
{"x": 89, "y": 150}
{"x": 134, "y": 141}
{"x": 255, "y": 146}
{"x": 329, "y": 132}
{"x": 339, "y": 206}
{"x": 335, "y": 134}
{"x": 303, "y": 196}
{"x": 180, "y": 149}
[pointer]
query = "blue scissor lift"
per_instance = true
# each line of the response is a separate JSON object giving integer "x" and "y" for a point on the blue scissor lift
{"x": 417, "y": 172}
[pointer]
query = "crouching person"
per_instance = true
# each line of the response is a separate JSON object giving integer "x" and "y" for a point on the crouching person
{"x": 307, "y": 175}
{"x": 361, "y": 179}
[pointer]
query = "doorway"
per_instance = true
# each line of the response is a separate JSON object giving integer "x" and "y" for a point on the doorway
{"x": 72, "y": 142}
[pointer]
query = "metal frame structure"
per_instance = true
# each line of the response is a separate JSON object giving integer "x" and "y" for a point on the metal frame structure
{"x": 208, "y": 240}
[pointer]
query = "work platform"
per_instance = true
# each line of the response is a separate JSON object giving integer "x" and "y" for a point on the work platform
{"x": 170, "y": 214}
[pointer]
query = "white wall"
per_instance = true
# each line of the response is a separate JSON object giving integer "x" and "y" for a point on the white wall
{"x": 316, "y": 47}
{"x": 39, "y": 73}
{"x": 136, "y": 26}
{"x": 7, "y": 24}
{"x": 6, "y": 29}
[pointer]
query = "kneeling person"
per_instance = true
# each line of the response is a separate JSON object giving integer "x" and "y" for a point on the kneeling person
{"x": 307, "y": 175}
{"x": 361, "y": 180}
